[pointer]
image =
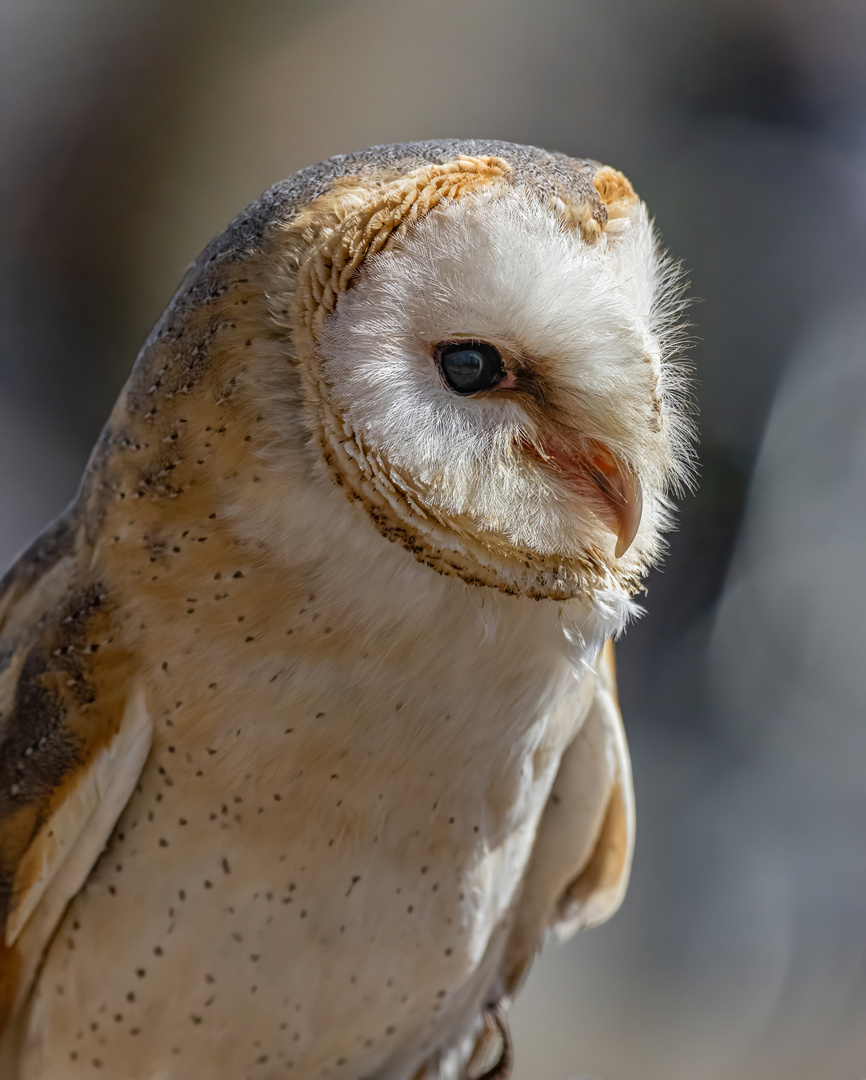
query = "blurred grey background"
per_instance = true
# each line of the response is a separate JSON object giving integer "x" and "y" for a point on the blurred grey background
{"x": 133, "y": 130}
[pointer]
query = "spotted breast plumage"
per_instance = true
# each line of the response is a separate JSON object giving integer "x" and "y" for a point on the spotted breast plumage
{"x": 308, "y": 723}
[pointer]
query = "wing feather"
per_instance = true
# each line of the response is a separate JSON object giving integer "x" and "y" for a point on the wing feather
{"x": 63, "y": 851}
{"x": 599, "y": 889}
{"x": 74, "y": 736}
{"x": 582, "y": 856}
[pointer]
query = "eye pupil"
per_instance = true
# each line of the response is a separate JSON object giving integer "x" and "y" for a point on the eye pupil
{"x": 470, "y": 366}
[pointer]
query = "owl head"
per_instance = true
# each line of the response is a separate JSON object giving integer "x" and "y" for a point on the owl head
{"x": 475, "y": 342}
{"x": 487, "y": 354}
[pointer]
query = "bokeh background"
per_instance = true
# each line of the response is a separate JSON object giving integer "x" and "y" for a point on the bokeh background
{"x": 133, "y": 130}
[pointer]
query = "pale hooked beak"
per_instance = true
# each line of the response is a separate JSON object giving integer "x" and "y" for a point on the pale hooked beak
{"x": 597, "y": 471}
{"x": 620, "y": 487}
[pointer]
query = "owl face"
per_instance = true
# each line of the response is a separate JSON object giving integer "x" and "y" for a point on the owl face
{"x": 493, "y": 386}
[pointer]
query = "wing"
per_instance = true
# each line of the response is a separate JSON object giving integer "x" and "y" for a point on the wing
{"x": 582, "y": 855}
{"x": 74, "y": 736}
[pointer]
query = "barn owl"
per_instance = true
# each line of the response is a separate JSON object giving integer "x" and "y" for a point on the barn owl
{"x": 308, "y": 713}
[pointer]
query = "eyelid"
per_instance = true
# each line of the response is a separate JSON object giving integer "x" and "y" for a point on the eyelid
{"x": 451, "y": 336}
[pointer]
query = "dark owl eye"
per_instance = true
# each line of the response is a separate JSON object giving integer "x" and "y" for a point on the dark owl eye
{"x": 470, "y": 366}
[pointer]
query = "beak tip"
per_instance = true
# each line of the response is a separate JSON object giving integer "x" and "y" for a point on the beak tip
{"x": 628, "y": 515}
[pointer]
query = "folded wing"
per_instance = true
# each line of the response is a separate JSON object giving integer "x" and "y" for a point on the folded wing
{"x": 74, "y": 736}
{"x": 582, "y": 856}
